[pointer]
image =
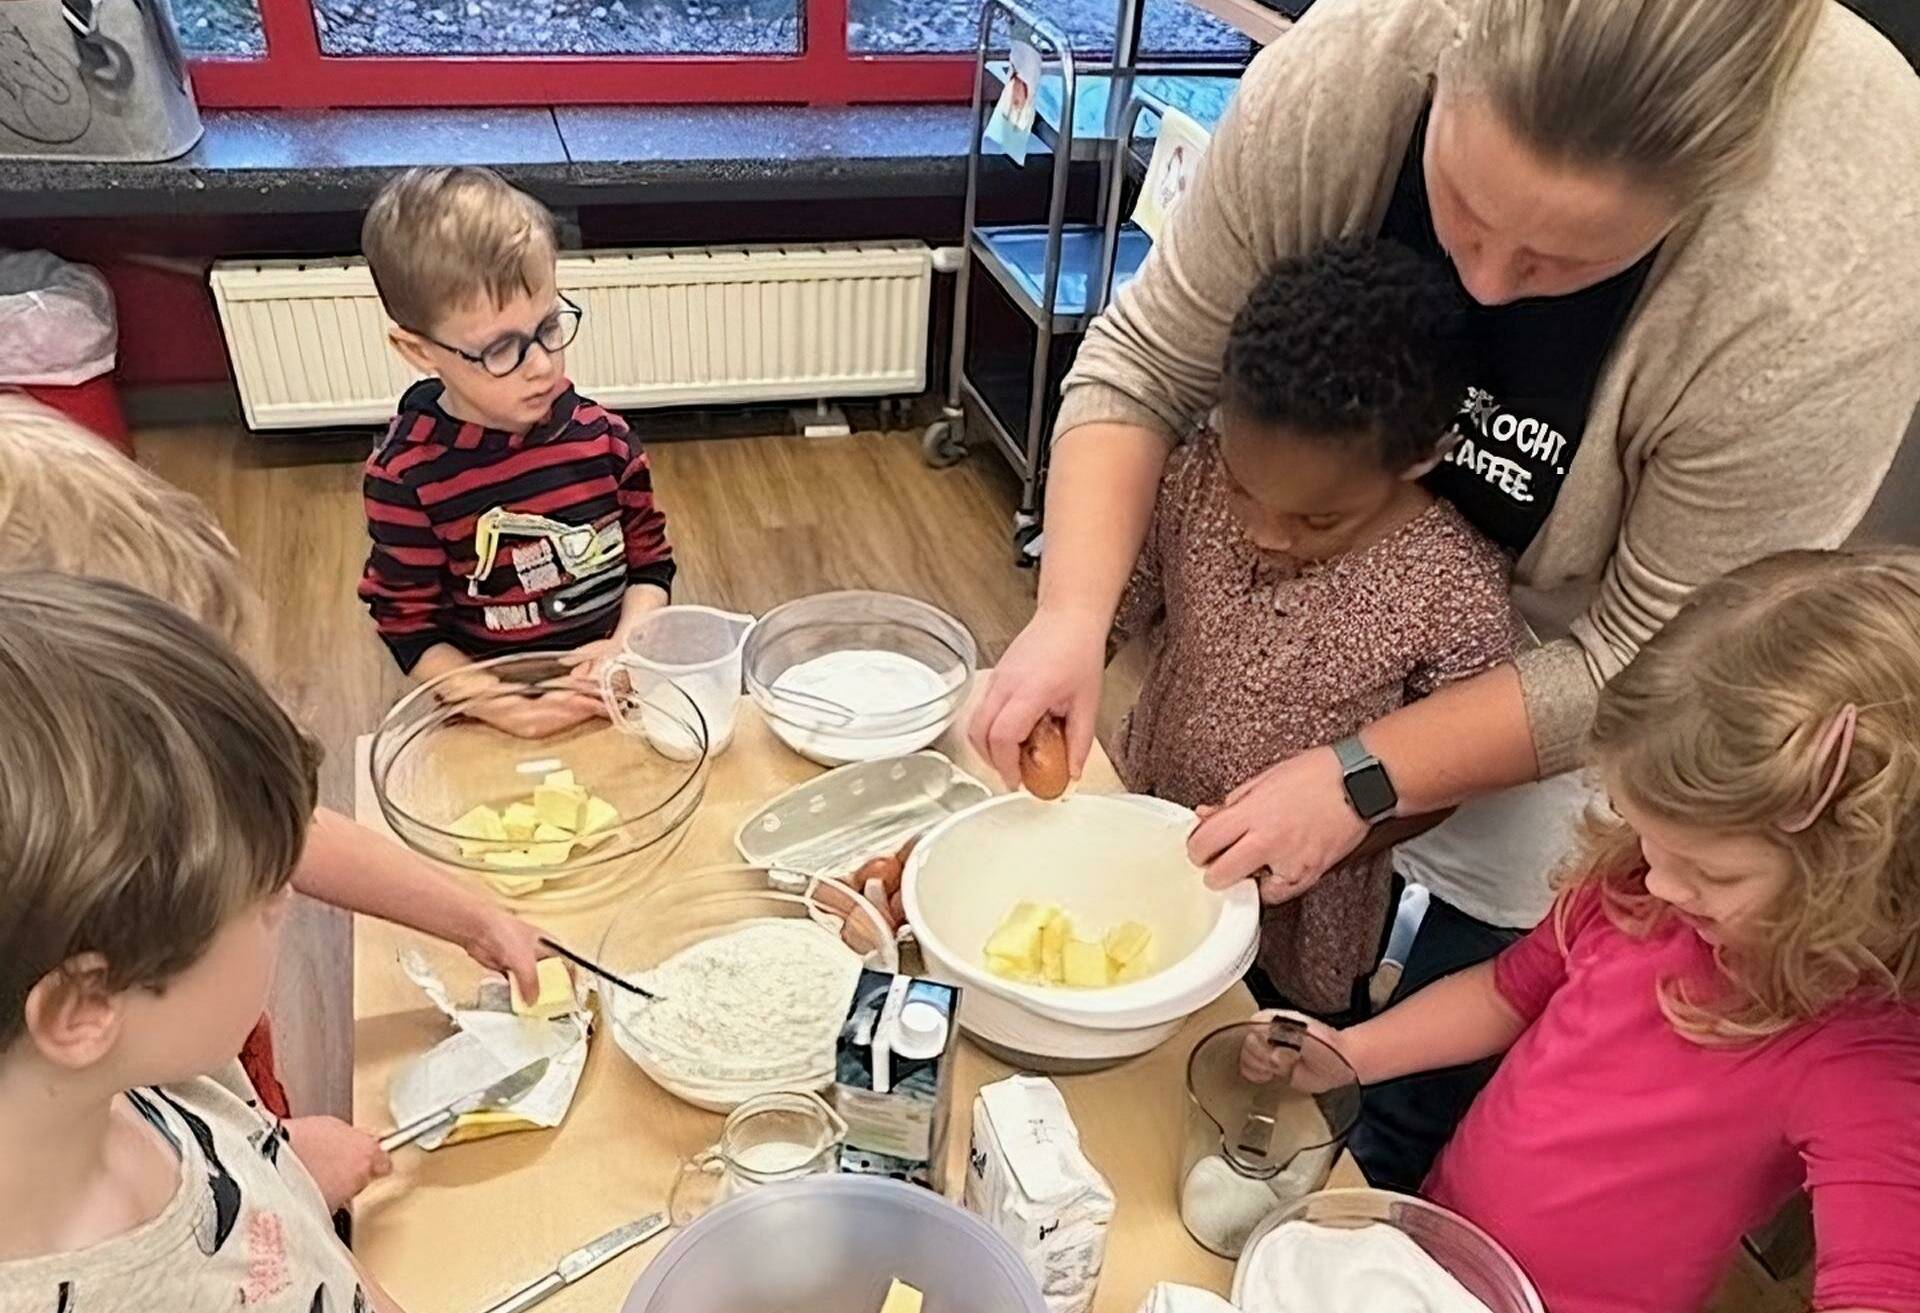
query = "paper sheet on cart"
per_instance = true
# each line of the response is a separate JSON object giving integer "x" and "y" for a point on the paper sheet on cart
{"x": 490, "y": 1043}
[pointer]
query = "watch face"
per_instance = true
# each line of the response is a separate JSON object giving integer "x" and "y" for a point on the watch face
{"x": 1372, "y": 793}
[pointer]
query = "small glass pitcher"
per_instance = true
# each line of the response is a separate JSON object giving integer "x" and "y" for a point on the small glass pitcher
{"x": 770, "y": 1138}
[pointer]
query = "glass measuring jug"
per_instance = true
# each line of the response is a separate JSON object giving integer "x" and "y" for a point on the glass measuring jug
{"x": 1269, "y": 1108}
{"x": 698, "y": 648}
{"x": 769, "y": 1139}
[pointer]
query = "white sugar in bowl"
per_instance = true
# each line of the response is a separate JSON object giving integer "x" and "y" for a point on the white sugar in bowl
{"x": 1102, "y": 859}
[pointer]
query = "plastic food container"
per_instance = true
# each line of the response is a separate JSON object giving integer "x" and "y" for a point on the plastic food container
{"x": 856, "y": 676}
{"x": 1474, "y": 1258}
{"x": 676, "y": 915}
{"x": 698, "y": 648}
{"x": 1103, "y": 859}
{"x": 436, "y": 757}
{"x": 834, "y": 822}
{"x": 834, "y": 1244}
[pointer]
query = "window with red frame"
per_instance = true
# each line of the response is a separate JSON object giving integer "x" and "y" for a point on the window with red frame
{"x": 441, "y": 52}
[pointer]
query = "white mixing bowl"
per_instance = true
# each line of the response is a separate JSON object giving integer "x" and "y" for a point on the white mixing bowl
{"x": 1102, "y": 859}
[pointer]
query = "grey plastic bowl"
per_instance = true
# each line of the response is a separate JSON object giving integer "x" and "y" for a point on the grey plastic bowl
{"x": 832, "y": 1244}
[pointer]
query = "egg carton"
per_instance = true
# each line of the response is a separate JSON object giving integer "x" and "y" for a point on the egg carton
{"x": 830, "y": 825}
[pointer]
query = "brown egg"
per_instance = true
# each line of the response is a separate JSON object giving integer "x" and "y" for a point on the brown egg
{"x": 906, "y": 851}
{"x": 1043, "y": 759}
{"x": 878, "y": 870}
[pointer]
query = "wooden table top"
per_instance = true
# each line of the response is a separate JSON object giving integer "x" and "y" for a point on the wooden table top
{"x": 461, "y": 1227}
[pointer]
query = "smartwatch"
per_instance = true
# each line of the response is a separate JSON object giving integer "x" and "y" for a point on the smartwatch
{"x": 1368, "y": 789}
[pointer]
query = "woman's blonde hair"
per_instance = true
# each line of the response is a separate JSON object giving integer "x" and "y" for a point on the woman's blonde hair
{"x": 1677, "y": 93}
{"x": 1720, "y": 723}
{"x": 70, "y": 502}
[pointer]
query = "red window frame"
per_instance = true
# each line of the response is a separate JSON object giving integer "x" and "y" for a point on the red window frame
{"x": 295, "y": 74}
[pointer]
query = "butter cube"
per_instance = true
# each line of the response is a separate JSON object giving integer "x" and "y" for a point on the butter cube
{"x": 1011, "y": 968}
{"x": 560, "y": 779}
{"x": 1018, "y": 937}
{"x": 556, "y": 992}
{"x": 545, "y": 833}
{"x": 549, "y": 854}
{"x": 901, "y": 1298}
{"x": 1127, "y": 941}
{"x": 484, "y": 1126}
{"x": 520, "y": 820}
{"x": 510, "y": 859}
{"x": 598, "y": 815}
{"x": 559, "y": 808}
{"x": 480, "y": 823}
{"x": 1053, "y": 944}
{"x": 1086, "y": 964}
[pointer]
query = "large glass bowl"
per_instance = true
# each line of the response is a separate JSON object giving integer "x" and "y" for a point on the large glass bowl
{"x": 676, "y": 914}
{"x": 436, "y": 757}
{"x": 1472, "y": 1257}
{"x": 920, "y": 661}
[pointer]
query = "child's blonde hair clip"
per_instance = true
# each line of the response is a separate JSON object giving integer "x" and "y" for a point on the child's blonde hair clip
{"x": 1839, "y": 731}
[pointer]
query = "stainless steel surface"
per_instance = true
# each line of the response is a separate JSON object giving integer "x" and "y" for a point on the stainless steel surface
{"x": 830, "y": 825}
{"x": 587, "y": 1258}
{"x": 497, "y": 1095}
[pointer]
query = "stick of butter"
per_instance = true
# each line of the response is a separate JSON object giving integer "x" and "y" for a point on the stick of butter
{"x": 901, "y": 1298}
{"x": 556, "y": 992}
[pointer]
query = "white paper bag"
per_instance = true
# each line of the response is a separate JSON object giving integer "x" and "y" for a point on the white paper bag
{"x": 1027, "y": 1176}
{"x": 1169, "y": 1298}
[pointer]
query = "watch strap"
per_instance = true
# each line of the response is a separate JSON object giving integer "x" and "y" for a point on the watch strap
{"x": 1353, "y": 755}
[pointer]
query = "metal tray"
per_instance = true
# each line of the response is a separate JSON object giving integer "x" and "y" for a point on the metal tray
{"x": 830, "y": 825}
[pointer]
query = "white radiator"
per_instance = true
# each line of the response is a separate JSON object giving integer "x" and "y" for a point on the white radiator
{"x": 704, "y": 326}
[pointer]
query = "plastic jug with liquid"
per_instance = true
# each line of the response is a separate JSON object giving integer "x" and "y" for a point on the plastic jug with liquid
{"x": 698, "y": 649}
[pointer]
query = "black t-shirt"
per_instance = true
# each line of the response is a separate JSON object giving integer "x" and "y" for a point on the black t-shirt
{"x": 1533, "y": 379}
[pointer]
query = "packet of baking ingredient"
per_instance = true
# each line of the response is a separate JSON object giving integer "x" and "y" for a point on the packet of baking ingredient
{"x": 1027, "y": 1176}
{"x": 893, "y": 1077}
{"x": 1170, "y": 1298}
{"x": 490, "y": 1042}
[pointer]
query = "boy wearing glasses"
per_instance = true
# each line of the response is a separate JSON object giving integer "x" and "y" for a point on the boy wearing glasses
{"x": 508, "y": 513}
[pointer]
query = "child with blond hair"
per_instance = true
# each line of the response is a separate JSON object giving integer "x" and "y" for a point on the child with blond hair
{"x": 69, "y": 502}
{"x": 155, "y": 802}
{"x": 508, "y": 513}
{"x": 1724, "y": 1006}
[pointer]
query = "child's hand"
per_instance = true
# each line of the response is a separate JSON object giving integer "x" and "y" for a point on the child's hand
{"x": 343, "y": 1160}
{"x": 538, "y": 716}
{"x": 501, "y": 941}
{"x": 1262, "y": 1061}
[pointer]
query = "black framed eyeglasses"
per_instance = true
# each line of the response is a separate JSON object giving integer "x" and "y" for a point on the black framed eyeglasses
{"x": 505, "y": 356}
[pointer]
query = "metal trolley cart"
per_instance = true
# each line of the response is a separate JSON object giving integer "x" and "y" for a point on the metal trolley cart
{"x": 1049, "y": 278}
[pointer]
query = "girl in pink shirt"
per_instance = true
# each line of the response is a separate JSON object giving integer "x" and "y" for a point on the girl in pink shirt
{"x": 1725, "y": 1005}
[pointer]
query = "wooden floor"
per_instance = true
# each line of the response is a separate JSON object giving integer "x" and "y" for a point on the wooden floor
{"x": 755, "y": 521}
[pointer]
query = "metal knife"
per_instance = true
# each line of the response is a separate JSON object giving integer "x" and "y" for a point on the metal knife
{"x": 587, "y": 1258}
{"x": 497, "y": 1095}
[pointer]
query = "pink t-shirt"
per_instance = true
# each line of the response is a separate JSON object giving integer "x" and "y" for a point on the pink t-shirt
{"x": 1621, "y": 1162}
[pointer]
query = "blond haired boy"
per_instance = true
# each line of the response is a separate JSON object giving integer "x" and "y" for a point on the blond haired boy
{"x": 154, "y": 805}
{"x": 69, "y": 502}
{"x": 507, "y": 512}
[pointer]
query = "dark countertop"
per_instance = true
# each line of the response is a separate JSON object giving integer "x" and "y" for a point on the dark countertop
{"x": 281, "y": 161}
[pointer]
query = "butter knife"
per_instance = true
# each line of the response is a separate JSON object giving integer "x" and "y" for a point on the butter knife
{"x": 497, "y": 1095}
{"x": 589, "y": 1257}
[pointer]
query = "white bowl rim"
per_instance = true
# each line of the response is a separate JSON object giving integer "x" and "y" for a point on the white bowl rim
{"x": 1167, "y": 995}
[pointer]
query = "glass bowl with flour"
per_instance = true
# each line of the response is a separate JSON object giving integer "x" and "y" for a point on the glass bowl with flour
{"x": 857, "y": 676}
{"x": 753, "y": 969}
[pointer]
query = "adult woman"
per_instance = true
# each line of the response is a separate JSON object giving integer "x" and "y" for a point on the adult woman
{"x": 1692, "y": 231}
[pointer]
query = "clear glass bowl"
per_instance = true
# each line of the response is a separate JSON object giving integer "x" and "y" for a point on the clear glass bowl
{"x": 893, "y": 702}
{"x": 436, "y": 756}
{"x": 677, "y": 914}
{"x": 1475, "y": 1259}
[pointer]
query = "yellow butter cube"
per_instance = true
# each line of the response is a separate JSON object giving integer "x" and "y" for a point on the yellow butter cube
{"x": 484, "y": 1126}
{"x": 556, "y": 992}
{"x": 1053, "y": 945}
{"x": 901, "y": 1298}
{"x": 560, "y": 779}
{"x": 549, "y": 854}
{"x": 559, "y": 808}
{"x": 598, "y": 814}
{"x": 520, "y": 820}
{"x": 1086, "y": 964}
{"x": 1011, "y": 968}
{"x": 1127, "y": 941}
{"x": 480, "y": 823}
{"x": 545, "y": 833}
{"x": 1018, "y": 937}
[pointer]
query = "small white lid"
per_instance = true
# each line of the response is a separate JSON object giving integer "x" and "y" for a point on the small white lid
{"x": 922, "y": 1030}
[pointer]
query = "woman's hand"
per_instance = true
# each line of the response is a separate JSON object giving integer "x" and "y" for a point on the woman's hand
{"x": 501, "y": 941}
{"x": 342, "y": 1160}
{"x": 1054, "y": 667}
{"x": 1293, "y": 819}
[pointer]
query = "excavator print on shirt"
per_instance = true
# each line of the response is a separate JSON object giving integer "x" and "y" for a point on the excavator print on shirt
{"x": 562, "y": 572}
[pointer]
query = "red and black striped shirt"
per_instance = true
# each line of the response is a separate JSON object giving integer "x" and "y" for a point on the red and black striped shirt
{"x": 568, "y": 506}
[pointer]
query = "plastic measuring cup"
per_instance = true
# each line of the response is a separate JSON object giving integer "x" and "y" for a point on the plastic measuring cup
{"x": 698, "y": 648}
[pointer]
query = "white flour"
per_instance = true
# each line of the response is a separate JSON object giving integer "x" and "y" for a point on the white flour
{"x": 872, "y": 685}
{"x": 1305, "y": 1268}
{"x": 769, "y": 996}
